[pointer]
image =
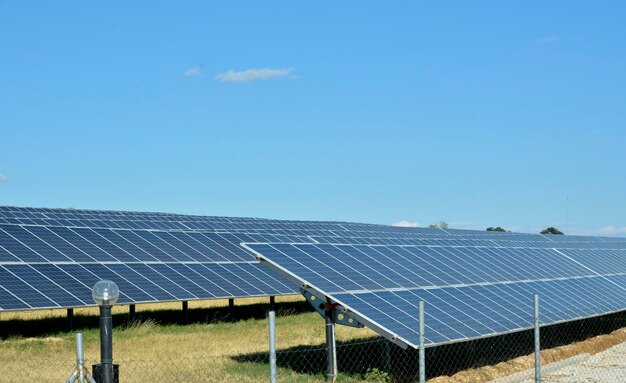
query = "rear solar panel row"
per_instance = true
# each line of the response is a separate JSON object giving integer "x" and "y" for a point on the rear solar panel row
{"x": 467, "y": 241}
{"x": 158, "y": 224}
{"x": 326, "y": 236}
{"x": 136, "y": 220}
{"x": 44, "y": 285}
{"x": 167, "y": 221}
{"x": 58, "y": 244}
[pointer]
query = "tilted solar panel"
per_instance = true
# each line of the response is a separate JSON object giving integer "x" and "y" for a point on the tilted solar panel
{"x": 470, "y": 292}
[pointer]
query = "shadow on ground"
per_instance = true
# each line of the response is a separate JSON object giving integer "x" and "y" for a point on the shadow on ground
{"x": 161, "y": 317}
{"x": 378, "y": 359}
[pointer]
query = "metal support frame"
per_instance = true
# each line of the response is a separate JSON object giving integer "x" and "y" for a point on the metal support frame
{"x": 331, "y": 350}
{"x": 70, "y": 319}
{"x": 537, "y": 339}
{"x": 422, "y": 351}
{"x": 272, "y": 320}
{"x": 80, "y": 373}
{"x": 231, "y": 308}
{"x": 272, "y": 302}
{"x": 185, "y": 308}
{"x": 340, "y": 314}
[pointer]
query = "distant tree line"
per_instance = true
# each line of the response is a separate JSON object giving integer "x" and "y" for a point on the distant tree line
{"x": 440, "y": 225}
{"x": 550, "y": 230}
{"x": 444, "y": 225}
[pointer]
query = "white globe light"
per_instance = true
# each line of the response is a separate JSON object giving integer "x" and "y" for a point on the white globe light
{"x": 105, "y": 293}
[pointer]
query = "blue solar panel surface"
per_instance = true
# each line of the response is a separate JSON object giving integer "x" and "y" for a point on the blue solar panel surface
{"x": 469, "y": 291}
{"x": 50, "y": 258}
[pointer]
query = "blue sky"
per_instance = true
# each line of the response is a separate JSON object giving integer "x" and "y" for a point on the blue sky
{"x": 476, "y": 113}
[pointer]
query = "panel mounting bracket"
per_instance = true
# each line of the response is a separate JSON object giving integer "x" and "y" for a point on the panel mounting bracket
{"x": 340, "y": 314}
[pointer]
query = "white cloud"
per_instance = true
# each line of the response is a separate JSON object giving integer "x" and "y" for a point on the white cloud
{"x": 548, "y": 39}
{"x": 405, "y": 224}
{"x": 194, "y": 72}
{"x": 252, "y": 74}
{"x": 2, "y": 178}
{"x": 612, "y": 230}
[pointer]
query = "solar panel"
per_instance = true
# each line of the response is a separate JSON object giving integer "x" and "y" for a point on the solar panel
{"x": 56, "y": 267}
{"x": 470, "y": 292}
{"x": 52, "y": 257}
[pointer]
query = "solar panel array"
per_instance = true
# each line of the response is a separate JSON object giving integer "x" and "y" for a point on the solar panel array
{"x": 50, "y": 258}
{"x": 470, "y": 291}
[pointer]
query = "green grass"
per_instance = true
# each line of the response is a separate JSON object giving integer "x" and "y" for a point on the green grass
{"x": 154, "y": 347}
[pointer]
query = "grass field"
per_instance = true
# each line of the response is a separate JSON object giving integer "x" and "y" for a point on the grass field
{"x": 215, "y": 347}
{"x": 211, "y": 348}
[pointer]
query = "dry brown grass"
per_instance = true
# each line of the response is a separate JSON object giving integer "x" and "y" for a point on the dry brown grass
{"x": 526, "y": 362}
{"x": 150, "y": 352}
{"x": 122, "y": 309}
{"x": 212, "y": 352}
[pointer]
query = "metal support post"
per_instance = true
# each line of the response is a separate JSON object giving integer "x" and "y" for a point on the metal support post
{"x": 106, "y": 346}
{"x": 80, "y": 373}
{"x": 272, "y": 319}
{"x": 80, "y": 358}
{"x": 70, "y": 319}
{"x": 231, "y": 308}
{"x": 422, "y": 351}
{"x": 331, "y": 351}
{"x": 272, "y": 303}
{"x": 185, "y": 318}
{"x": 537, "y": 339}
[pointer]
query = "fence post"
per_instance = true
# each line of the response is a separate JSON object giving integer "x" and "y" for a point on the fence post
{"x": 272, "y": 318}
{"x": 422, "y": 351}
{"x": 331, "y": 351}
{"x": 387, "y": 355}
{"x": 537, "y": 339}
{"x": 80, "y": 357}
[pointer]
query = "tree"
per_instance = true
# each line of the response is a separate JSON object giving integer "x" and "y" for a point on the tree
{"x": 497, "y": 228}
{"x": 551, "y": 230}
{"x": 440, "y": 225}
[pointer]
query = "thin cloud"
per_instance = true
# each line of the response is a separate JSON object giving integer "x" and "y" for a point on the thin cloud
{"x": 405, "y": 224}
{"x": 612, "y": 230}
{"x": 3, "y": 178}
{"x": 252, "y": 75}
{"x": 193, "y": 72}
{"x": 548, "y": 39}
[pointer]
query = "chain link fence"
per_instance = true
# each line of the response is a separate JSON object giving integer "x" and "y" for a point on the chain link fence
{"x": 590, "y": 350}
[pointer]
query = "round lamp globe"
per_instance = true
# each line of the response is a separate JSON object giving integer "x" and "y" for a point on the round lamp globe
{"x": 105, "y": 293}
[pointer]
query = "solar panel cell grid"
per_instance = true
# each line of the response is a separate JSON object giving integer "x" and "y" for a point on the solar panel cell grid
{"x": 465, "y": 299}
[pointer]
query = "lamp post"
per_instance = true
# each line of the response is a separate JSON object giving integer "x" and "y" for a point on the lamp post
{"x": 105, "y": 293}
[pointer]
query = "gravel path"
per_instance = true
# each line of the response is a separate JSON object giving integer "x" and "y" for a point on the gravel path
{"x": 608, "y": 366}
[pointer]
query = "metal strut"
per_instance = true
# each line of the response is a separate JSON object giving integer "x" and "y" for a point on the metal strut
{"x": 331, "y": 355}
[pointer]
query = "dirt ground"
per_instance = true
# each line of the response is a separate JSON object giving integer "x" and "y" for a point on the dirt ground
{"x": 485, "y": 374}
